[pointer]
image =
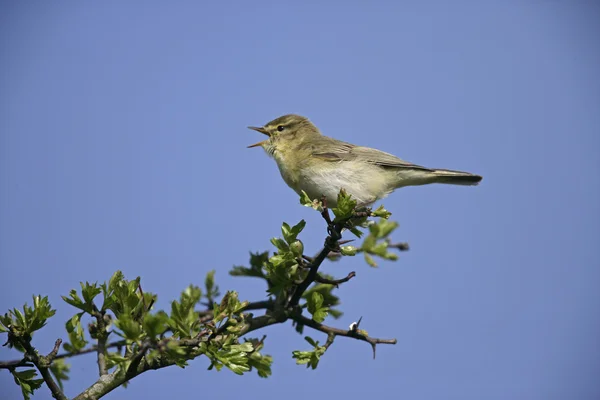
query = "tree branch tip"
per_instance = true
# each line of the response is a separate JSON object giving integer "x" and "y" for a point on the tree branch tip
{"x": 404, "y": 246}
{"x": 52, "y": 355}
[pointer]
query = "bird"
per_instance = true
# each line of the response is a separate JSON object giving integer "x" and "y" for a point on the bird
{"x": 321, "y": 166}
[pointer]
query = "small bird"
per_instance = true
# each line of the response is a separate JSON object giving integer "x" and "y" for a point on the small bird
{"x": 321, "y": 166}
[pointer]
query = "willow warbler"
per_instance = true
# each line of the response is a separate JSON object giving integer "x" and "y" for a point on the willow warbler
{"x": 321, "y": 166}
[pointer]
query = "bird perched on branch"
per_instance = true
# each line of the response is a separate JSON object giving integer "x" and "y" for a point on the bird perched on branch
{"x": 321, "y": 166}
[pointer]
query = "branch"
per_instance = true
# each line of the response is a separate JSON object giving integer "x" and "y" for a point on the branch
{"x": 15, "y": 363}
{"x": 102, "y": 336}
{"x": 355, "y": 334}
{"x": 205, "y": 316}
{"x": 101, "y": 350}
{"x": 335, "y": 234}
{"x": 25, "y": 362}
{"x": 42, "y": 363}
{"x": 92, "y": 349}
{"x": 107, "y": 383}
{"x": 334, "y": 282}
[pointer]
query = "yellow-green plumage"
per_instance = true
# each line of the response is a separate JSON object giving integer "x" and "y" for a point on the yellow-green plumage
{"x": 320, "y": 165}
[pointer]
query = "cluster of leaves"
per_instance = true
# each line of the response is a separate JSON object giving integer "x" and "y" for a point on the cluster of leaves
{"x": 20, "y": 326}
{"x": 283, "y": 268}
{"x": 120, "y": 309}
{"x": 287, "y": 266}
{"x": 377, "y": 242}
{"x": 310, "y": 358}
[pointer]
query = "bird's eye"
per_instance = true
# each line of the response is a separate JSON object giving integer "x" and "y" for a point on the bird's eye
{"x": 280, "y": 128}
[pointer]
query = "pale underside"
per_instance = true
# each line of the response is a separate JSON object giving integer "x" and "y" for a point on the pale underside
{"x": 367, "y": 174}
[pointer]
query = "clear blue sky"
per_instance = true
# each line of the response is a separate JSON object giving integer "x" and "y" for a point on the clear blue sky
{"x": 123, "y": 146}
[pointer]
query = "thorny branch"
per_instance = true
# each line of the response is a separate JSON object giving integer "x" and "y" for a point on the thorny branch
{"x": 43, "y": 363}
{"x": 355, "y": 334}
{"x": 276, "y": 313}
{"x": 331, "y": 244}
{"x": 334, "y": 282}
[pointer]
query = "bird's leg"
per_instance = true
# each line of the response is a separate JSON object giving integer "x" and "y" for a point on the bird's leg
{"x": 325, "y": 214}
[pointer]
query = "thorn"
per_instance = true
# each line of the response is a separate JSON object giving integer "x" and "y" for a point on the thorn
{"x": 373, "y": 345}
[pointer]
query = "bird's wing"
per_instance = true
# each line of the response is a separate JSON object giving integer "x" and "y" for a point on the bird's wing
{"x": 341, "y": 151}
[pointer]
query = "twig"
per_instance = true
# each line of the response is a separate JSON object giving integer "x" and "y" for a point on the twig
{"x": 330, "y": 339}
{"x": 325, "y": 212}
{"x": 355, "y": 334}
{"x": 115, "y": 379}
{"x": 42, "y": 363}
{"x": 334, "y": 282}
{"x": 312, "y": 274}
{"x": 52, "y": 355}
{"x": 135, "y": 361}
{"x": 205, "y": 316}
{"x": 102, "y": 336}
{"x": 15, "y": 363}
{"x": 334, "y": 231}
{"x": 102, "y": 370}
{"x": 399, "y": 246}
{"x": 92, "y": 349}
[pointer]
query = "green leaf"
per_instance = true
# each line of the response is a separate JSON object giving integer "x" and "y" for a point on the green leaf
{"x": 76, "y": 334}
{"x": 383, "y": 228}
{"x": 131, "y": 329}
{"x": 310, "y": 358}
{"x": 239, "y": 270}
{"x": 316, "y": 308}
{"x": 297, "y": 248}
{"x": 37, "y": 317}
{"x": 299, "y": 227}
{"x": 190, "y": 297}
{"x": 286, "y": 231}
{"x": 114, "y": 359}
{"x": 381, "y": 212}
{"x": 356, "y": 232}
{"x": 345, "y": 206}
{"x": 257, "y": 262}
{"x": 183, "y": 319}
{"x": 25, "y": 379}
{"x": 29, "y": 320}
{"x": 89, "y": 292}
{"x": 155, "y": 324}
{"x": 311, "y": 341}
{"x": 280, "y": 271}
{"x": 262, "y": 363}
{"x": 329, "y": 299}
{"x": 123, "y": 297}
{"x": 348, "y": 250}
{"x": 370, "y": 260}
{"x": 291, "y": 234}
{"x": 60, "y": 369}
{"x": 212, "y": 290}
{"x": 176, "y": 353}
{"x": 230, "y": 305}
{"x": 281, "y": 245}
{"x": 306, "y": 201}
{"x": 234, "y": 357}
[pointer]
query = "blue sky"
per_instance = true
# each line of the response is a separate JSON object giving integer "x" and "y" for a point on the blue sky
{"x": 123, "y": 146}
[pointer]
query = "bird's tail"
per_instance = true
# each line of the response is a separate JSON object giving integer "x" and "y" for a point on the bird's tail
{"x": 417, "y": 175}
{"x": 455, "y": 177}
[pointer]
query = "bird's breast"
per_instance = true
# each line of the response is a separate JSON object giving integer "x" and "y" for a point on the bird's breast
{"x": 365, "y": 182}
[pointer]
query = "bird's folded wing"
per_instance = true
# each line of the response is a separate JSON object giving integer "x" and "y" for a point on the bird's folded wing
{"x": 348, "y": 152}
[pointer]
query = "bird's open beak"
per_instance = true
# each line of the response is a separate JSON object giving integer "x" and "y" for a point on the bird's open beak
{"x": 261, "y": 130}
